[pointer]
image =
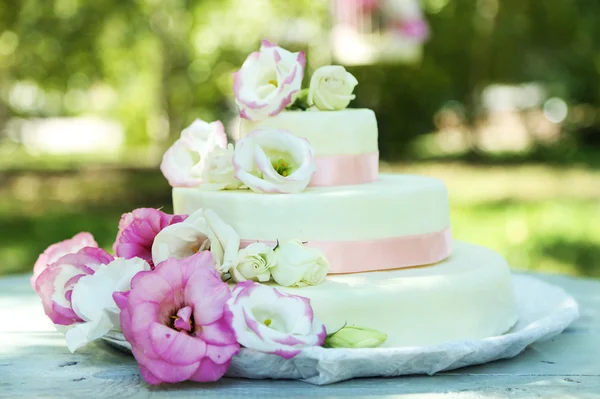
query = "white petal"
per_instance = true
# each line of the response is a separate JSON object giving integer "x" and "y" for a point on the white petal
{"x": 179, "y": 240}
{"x": 84, "y": 333}
{"x": 228, "y": 240}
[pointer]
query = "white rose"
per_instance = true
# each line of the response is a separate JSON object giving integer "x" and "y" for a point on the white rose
{"x": 331, "y": 88}
{"x": 202, "y": 230}
{"x": 184, "y": 161}
{"x": 274, "y": 161}
{"x": 298, "y": 265}
{"x": 253, "y": 263}
{"x": 268, "y": 81}
{"x": 218, "y": 172}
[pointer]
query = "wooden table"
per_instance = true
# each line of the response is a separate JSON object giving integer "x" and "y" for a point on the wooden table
{"x": 34, "y": 362}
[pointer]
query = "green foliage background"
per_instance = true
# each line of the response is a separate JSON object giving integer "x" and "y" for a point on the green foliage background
{"x": 172, "y": 60}
{"x": 155, "y": 65}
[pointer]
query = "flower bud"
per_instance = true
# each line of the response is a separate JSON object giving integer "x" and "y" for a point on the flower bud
{"x": 355, "y": 337}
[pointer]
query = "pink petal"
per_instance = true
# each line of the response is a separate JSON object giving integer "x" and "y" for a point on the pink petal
{"x": 69, "y": 269}
{"x": 218, "y": 333}
{"x": 149, "y": 377}
{"x": 164, "y": 371}
{"x": 120, "y": 299}
{"x": 176, "y": 347}
{"x": 56, "y": 251}
{"x": 286, "y": 353}
{"x": 209, "y": 371}
{"x": 137, "y": 230}
{"x": 183, "y": 319}
{"x": 144, "y": 314}
{"x": 208, "y": 294}
{"x": 289, "y": 340}
{"x": 152, "y": 287}
{"x": 266, "y": 43}
{"x": 222, "y": 354}
{"x": 321, "y": 336}
{"x": 62, "y": 316}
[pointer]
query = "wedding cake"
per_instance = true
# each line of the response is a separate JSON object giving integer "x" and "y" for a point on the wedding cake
{"x": 287, "y": 242}
{"x": 393, "y": 265}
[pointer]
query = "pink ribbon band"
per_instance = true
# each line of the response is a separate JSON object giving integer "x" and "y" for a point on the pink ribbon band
{"x": 342, "y": 170}
{"x": 383, "y": 254}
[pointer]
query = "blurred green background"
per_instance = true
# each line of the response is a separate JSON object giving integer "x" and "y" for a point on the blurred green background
{"x": 502, "y": 103}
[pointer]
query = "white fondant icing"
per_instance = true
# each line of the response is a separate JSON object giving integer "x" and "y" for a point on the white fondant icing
{"x": 467, "y": 296}
{"x": 345, "y": 132}
{"x": 394, "y": 206}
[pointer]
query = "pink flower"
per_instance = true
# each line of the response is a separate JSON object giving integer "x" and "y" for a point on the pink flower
{"x": 184, "y": 162}
{"x": 174, "y": 317}
{"x": 267, "y": 320}
{"x": 137, "y": 231}
{"x": 415, "y": 29}
{"x": 268, "y": 81}
{"x": 55, "y": 284}
{"x": 56, "y": 251}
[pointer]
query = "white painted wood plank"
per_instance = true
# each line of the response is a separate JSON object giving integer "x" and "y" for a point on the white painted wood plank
{"x": 34, "y": 362}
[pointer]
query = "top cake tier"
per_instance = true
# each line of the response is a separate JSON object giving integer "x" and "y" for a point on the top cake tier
{"x": 345, "y": 142}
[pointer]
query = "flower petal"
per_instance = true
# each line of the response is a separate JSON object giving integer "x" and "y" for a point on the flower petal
{"x": 55, "y": 251}
{"x": 209, "y": 371}
{"x": 176, "y": 346}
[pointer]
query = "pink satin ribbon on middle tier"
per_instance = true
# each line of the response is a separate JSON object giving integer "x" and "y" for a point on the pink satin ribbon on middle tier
{"x": 343, "y": 170}
{"x": 382, "y": 254}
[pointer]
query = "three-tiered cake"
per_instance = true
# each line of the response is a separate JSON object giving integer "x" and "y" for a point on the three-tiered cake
{"x": 393, "y": 265}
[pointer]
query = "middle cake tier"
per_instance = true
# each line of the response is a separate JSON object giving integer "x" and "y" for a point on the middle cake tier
{"x": 397, "y": 221}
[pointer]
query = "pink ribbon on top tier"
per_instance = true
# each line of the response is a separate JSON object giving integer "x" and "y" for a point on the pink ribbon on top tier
{"x": 346, "y": 170}
{"x": 382, "y": 254}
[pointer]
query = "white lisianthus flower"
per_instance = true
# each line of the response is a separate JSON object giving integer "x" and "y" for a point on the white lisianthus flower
{"x": 268, "y": 81}
{"x": 218, "y": 172}
{"x": 202, "y": 230}
{"x": 298, "y": 266}
{"x": 267, "y": 320}
{"x": 93, "y": 302}
{"x": 183, "y": 163}
{"x": 331, "y": 88}
{"x": 253, "y": 263}
{"x": 274, "y": 161}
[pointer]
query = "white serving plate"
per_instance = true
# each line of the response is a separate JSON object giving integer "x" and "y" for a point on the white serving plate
{"x": 544, "y": 311}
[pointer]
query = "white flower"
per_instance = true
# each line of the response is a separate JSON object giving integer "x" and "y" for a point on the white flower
{"x": 298, "y": 265}
{"x": 253, "y": 263}
{"x": 218, "y": 172}
{"x": 267, "y": 320}
{"x": 183, "y": 163}
{"x": 268, "y": 81}
{"x": 274, "y": 161}
{"x": 92, "y": 300}
{"x": 331, "y": 88}
{"x": 202, "y": 230}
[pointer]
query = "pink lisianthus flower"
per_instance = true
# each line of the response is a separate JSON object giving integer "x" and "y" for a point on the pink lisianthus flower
{"x": 56, "y": 251}
{"x": 137, "y": 231}
{"x": 55, "y": 284}
{"x": 268, "y": 81}
{"x": 175, "y": 319}
{"x": 267, "y": 320}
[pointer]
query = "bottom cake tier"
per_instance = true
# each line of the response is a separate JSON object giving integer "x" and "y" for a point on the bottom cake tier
{"x": 467, "y": 296}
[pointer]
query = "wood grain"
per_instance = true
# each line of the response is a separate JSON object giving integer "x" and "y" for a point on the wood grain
{"x": 34, "y": 362}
